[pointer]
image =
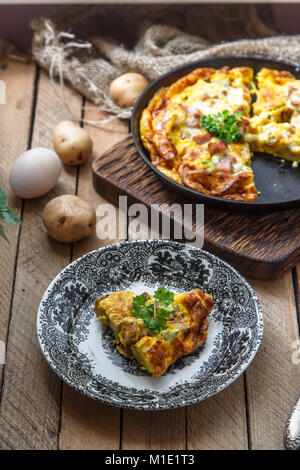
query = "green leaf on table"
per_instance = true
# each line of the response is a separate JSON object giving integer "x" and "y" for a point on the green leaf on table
{"x": 3, "y": 234}
{"x": 14, "y": 219}
{"x": 3, "y": 199}
{"x": 7, "y": 215}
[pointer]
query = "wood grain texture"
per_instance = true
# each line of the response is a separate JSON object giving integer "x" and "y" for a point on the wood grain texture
{"x": 15, "y": 114}
{"x": 30, "y": 407}
{"x": 88, "y": 424}
{"x": 219, "y": 423}
{"x": 273, "y": 380}
{"x": 154, "y": 430}
{"x": 261, "y": 246}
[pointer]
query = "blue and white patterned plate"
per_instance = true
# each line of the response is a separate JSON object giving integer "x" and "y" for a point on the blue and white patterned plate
{"x": 81, "y": 351}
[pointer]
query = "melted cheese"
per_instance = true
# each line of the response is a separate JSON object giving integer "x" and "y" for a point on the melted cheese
{"x": 213, "y": 97}
{"x": 276, "y": 119}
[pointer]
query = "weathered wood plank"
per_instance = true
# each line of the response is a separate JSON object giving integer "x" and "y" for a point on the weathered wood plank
{"x": 220, "y": 422}
{"x": 87, "y": 424}
{"x": 164, "y": 430}
{"x": 29, "y": 415}
{"x": 30, "y": 408}
{"x": 15, "y": 118}
{"x": 273, "y": 381}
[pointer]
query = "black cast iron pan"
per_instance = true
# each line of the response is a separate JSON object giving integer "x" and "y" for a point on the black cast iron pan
{"x": 277, "y": 181}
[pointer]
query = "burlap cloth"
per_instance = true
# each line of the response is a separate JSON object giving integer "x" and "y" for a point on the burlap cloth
{"x": 90, "y": 65}
{"x": 8, "y": 49}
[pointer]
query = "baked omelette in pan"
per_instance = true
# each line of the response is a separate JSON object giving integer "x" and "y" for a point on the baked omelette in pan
{"x": 275, "y": 125}
{"x": 181, "y": 127}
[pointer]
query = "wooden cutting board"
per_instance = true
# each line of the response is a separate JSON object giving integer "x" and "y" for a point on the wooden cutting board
{"x": 261, "y": 246}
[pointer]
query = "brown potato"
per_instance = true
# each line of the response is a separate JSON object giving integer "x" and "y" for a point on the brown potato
{"x": 69, "y": 218}
{"x": 72, "y": 144}
{"x": 126, "y": 89}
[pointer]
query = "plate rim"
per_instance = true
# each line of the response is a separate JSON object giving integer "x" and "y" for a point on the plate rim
{"x": 211, "y": 200}
{"x": 84, "y": 391}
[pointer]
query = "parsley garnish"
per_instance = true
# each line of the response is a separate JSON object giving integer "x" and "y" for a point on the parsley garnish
{"x": 155, "y": 314}
{"x": 223, "y": 125}
{"x": 7, "y": 215}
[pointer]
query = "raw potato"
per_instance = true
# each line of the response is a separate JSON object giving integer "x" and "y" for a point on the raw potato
{"x": 69, "y": 218}
{"x": 71, "y": 143}
{"x": 126, "y": 89}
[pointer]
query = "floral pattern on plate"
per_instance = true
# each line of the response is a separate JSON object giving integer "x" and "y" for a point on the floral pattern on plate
{"x": 80, "y": 350}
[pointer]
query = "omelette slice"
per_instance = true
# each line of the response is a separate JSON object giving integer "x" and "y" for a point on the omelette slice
{"x": 183, "y": 150}
{"x": 184, "y": 331}
{"x": 276, "y": 89}
{"x": 275, "y": 125}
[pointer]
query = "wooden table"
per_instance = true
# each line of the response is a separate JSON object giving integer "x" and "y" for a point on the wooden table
{"x": 37, "y": 410}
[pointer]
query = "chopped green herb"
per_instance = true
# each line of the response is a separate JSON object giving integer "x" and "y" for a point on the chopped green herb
{"x": 154, "y": 314}
{"x": 169, "y": 335}
{"x": 223, "y": 125}
{"x": 138, "y": 302}
{"x": 164, "y": 297}
{"x": 7, "y": 215}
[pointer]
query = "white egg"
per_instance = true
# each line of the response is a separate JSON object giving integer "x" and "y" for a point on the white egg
{"x": 35, "y": 172}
